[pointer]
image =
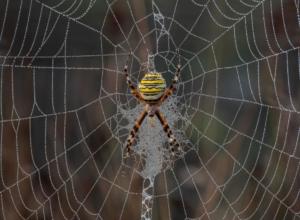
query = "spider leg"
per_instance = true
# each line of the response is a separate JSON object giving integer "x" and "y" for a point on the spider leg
{"x": 131, "y": 85}
{"x": 170, "y": 90}
{"x": 172, "y": 140}
{"x": 134, "y": 131}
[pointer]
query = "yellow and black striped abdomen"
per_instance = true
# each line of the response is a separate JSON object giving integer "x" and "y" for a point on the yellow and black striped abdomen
{"x": 152, "y": 86}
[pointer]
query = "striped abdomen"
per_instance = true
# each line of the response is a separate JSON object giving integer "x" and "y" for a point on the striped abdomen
{"x": 152, "y": 86}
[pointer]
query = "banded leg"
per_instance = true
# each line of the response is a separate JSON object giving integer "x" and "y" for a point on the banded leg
{"x": 170, "y": 90}
{"x": 172, "y": 140}
{"x": 134, "y": 131}
{"x": 132, "y": 87}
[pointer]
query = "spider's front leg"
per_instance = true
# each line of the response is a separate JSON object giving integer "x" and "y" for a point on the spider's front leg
{"x": 172, "y": 140}
{"x": 134, "y": 131}
{"x": 131, "y": 85}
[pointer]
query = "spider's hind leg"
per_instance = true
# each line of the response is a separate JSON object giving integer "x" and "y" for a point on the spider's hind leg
{"x": 171, "y": 89}
{"x": 130, "y": 84}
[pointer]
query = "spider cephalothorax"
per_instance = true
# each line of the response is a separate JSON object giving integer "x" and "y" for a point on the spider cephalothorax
{"x": 152, "y": 92}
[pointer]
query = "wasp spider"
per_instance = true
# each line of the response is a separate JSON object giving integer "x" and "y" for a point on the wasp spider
{"x": 152, "y": 92}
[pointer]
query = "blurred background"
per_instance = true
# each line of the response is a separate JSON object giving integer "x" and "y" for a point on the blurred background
{"x": 62, "y": 88}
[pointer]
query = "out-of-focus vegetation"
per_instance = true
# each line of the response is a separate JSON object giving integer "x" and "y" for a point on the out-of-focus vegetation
{"x": 61, "y": 81}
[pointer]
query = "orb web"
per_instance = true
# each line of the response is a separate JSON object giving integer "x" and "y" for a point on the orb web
{"x": 66, "y": 110}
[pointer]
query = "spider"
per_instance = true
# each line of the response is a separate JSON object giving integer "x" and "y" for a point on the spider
{"x": 152, "y": 92}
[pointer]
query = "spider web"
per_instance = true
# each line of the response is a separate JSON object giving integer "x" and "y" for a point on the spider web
{"x": 66, "y": 110}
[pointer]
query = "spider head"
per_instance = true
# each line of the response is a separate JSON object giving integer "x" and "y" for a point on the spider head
{"x": 151, "y": 109}
{"x": 152, "y": 86}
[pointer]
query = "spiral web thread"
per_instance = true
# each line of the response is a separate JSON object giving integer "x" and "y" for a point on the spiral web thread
{"x": 66, "y": 110}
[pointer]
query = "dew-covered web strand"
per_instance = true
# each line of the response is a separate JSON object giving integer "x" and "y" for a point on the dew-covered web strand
{"x": 163, "y": 30}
